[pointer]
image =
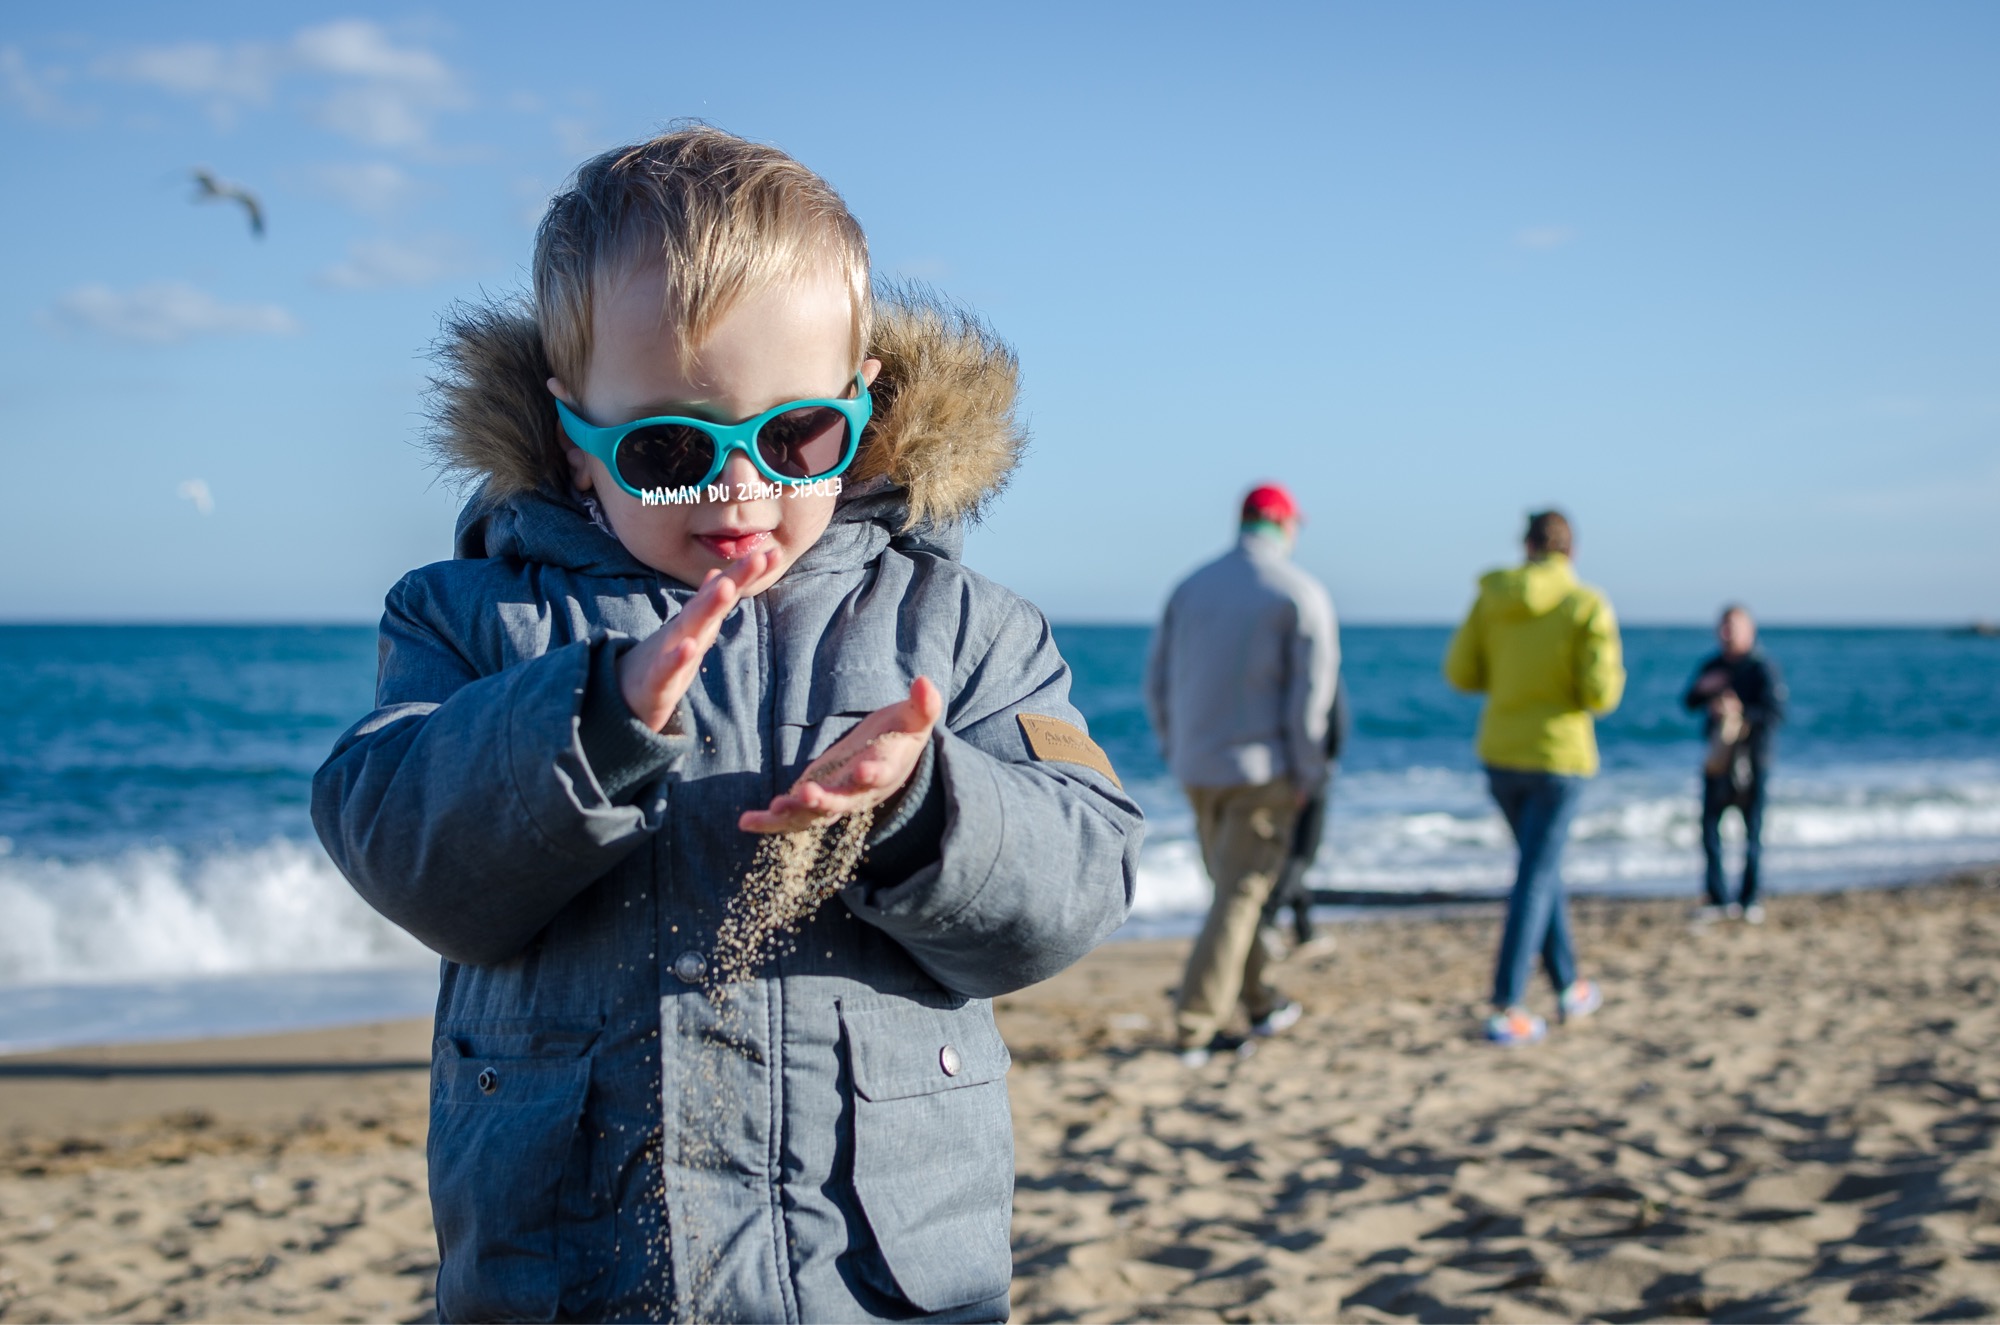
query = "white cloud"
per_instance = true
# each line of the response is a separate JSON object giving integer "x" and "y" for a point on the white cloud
{"x": 244, "y": 72}
{"x": 196, "y": 491}
{"x": 373, "y": 188}
{"x": 381, "y": 263}
{"x": 34, "y": 91}
{"x": 1544, "y": 237}
{"x": 390, "y": 92}
{"x": 377, "y": 115}
{"x": 382, "y": 94}
{"x": 164, "y": 313}
{"x": 356, "y": 48}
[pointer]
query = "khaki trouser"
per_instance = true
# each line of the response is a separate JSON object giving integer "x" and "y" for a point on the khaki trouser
{"x": 1246, "y": 834}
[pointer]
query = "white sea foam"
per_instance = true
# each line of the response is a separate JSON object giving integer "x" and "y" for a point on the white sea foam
{"x": 156, "y": 912}
{"x": 156, "y": 942}
{"x": 1431, "y": 829}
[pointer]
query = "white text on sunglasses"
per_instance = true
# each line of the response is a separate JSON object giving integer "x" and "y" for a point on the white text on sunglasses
{"x": 697, "y": 492}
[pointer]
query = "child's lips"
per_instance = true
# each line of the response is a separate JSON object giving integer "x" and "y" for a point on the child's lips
{"x": 730, "y": 546}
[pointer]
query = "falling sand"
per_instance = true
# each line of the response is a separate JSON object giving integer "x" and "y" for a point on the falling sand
{"x": 790, "y": 878}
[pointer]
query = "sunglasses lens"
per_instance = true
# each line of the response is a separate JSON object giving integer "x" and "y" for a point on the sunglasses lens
{"x": 665, "y": 455}
{"x": 804, "y": 443}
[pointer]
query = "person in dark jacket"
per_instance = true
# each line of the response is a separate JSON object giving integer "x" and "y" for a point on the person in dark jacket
{"x": 1742, "y": 694}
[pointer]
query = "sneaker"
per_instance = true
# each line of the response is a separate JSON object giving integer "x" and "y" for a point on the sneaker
{"x": 1707, "y": 915}
{"x": 1733, "y": 911}
{"x": 1753, "y": 914}
{"x": 1580, "y": 1000}
{"x": 1278, "y": 1020}
{"x": 1201, "y": 1055}
{"x": 1515, "y": 1026}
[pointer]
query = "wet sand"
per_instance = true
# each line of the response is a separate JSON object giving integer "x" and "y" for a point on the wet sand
{"x": 1794, "y": 1121}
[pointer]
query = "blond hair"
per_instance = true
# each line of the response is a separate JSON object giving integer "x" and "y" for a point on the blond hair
{"x": 726, "y": 217}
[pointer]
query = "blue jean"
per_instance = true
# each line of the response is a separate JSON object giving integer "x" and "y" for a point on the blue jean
{"x": 1538, "y": 807}
{"x": 1718, "y": 795}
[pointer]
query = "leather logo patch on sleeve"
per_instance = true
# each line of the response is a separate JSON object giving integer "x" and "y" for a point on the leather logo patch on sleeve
{"x": 1054, "y": 739}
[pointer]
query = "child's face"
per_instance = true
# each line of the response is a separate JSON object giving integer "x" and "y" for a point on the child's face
{"x": 783, "y": 345}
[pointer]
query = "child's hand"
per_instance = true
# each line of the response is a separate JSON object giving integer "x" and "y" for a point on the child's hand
{"x": 655, "y": 675}
{"x": 862, "y": 769}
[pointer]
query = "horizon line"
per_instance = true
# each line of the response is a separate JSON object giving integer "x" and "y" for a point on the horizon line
{"x": 1089, "y": 623}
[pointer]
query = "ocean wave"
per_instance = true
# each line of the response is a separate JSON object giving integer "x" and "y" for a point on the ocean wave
{"x": 1422, "y": 830}
{"x": 154, "y": 912}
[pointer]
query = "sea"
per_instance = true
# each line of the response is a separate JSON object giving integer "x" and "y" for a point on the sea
{"x": 160, "y": 878}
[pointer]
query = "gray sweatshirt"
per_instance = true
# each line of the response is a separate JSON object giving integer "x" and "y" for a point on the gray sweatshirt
{"x": 1241, "y": 678}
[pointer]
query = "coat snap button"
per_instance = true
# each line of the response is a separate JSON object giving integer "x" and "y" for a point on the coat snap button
{"x": 949, "y": 1060}
{"x": 689, "y": 966}
{"x": 489, "y": 1080}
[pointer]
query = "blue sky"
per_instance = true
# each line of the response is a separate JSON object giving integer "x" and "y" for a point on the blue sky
{"x": 1719, "y": 279}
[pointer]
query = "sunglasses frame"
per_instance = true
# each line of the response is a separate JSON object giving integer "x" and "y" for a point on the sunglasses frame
{"x": 725, "y": 437}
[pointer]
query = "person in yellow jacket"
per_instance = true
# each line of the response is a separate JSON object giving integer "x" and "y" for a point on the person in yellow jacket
{"x": 1543, "y": 648}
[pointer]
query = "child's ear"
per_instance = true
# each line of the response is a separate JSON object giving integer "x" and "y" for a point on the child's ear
{"x": 579, "y": 459}
{"x": 870, "y": 370}
{"x": 580, "y": 476}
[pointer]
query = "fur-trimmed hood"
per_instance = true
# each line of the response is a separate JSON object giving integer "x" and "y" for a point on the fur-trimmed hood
{"x": 943, "y": 441}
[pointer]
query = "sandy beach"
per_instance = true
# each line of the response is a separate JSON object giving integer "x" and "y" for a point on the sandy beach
{"x": 1787, "y": 1122}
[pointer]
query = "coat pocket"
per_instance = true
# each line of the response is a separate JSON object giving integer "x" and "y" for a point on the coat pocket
{"x": 933, "y": 1146}
{"x": 505, "y": 1109}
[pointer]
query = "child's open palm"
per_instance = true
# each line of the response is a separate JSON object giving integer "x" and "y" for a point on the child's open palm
{"x": 859, "y": 771}
{"x": 655, "y": 674}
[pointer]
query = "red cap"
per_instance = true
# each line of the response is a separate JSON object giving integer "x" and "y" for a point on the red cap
{"x": 1270, "y": 501}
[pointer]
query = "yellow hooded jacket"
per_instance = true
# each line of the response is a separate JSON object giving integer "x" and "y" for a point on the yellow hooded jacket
{"x": 1543, "y": 648}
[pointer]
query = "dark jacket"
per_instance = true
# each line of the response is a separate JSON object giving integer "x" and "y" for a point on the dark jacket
{"x": 835, "y": 1143}
{"x": 1757, "y": 682}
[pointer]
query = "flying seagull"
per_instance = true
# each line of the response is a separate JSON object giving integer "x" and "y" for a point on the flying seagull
{"x": 207, "y": 188}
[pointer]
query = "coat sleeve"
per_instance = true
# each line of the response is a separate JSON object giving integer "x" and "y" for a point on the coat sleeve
{"x": 1767, "y": 708}
{"x": 1038, "y": 856}
{"x": 469, "y": 809}
{"x": 1315, "y": 670}
{"x": 1697, "y": 697}
{"x": 1340, "y": 723}
{"x": 1465, "y": 657}
{"x": 1600, "y": 660}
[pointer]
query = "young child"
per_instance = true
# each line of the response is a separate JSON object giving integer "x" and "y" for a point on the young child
{"x": 656, "y": 644}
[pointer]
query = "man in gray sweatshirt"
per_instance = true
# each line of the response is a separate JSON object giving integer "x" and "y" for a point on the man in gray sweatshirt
{"x": 1239, "y": 688}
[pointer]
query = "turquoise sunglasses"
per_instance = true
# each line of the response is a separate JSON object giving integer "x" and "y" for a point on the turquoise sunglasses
{"x": 797, "y": 442}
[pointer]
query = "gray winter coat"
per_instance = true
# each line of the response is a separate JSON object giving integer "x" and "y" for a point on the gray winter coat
{"x": 831, "y": 1140}
{"x": 1240, "y": 681}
